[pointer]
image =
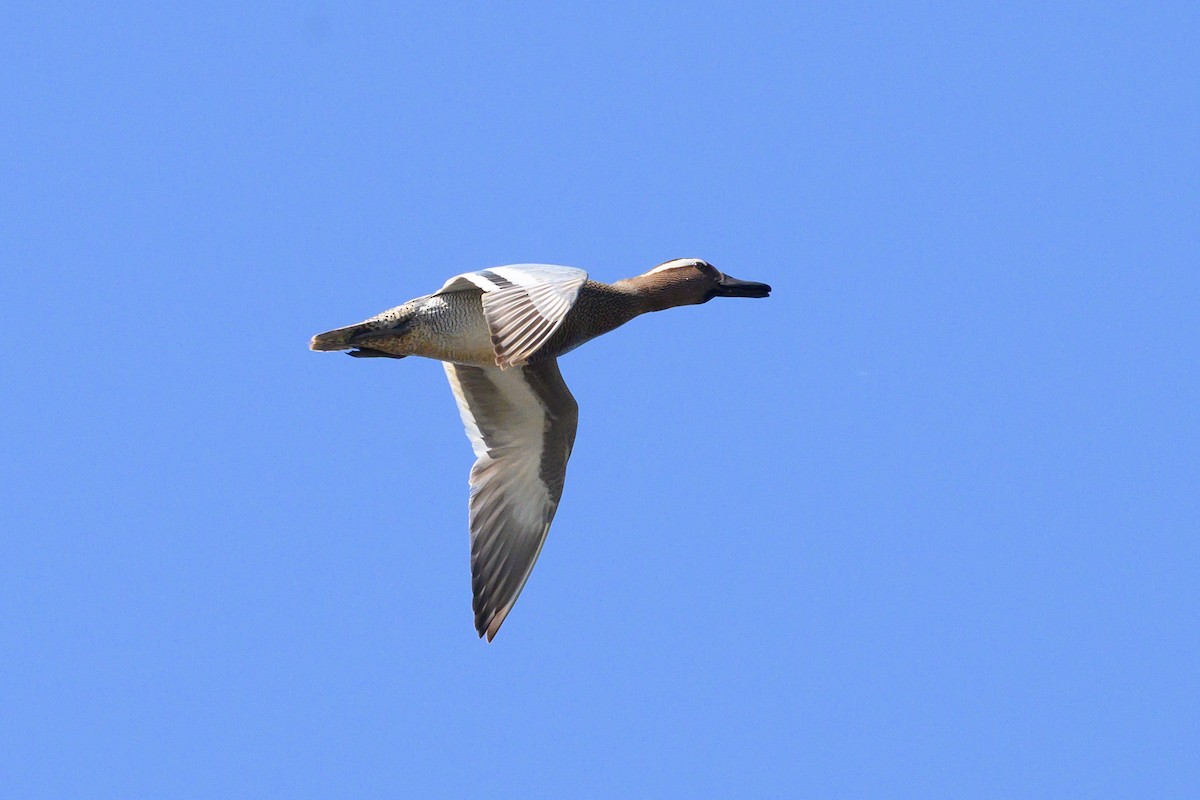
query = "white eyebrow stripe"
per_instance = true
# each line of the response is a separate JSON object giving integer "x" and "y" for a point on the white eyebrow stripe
{"x": 675, "y": 264}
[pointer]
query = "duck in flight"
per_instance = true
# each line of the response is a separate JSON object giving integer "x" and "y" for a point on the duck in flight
{"x": 499, "y": 333}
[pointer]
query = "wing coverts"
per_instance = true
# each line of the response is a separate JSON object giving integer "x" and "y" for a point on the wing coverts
{"x": 523, "y": 305}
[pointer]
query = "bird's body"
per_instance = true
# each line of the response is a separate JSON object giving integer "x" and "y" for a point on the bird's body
{"x": 446, "y": 327}
{"x": 499, "y": 333}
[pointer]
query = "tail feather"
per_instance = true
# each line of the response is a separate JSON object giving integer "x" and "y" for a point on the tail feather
{"x": 379, "y": 336}
{"x": 337, "y": 339}
{"x": 367, "y": 352}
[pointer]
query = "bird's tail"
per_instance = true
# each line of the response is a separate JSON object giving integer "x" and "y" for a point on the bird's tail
{"x": 378, "y": 336}
{"x": 339, "y": 338}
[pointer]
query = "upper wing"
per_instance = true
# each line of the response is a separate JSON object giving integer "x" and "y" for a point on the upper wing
{"x": 524, "y": 304}
{"x": 521, "y": 424}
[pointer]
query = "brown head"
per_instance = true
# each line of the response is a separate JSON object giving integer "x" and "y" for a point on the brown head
{"x": 690, "y": 281}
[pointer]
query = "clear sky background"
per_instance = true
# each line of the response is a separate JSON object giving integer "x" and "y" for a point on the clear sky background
{"x": 923, "y": 524}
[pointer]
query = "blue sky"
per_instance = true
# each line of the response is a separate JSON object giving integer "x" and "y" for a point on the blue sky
{"x": 922, "y": 524}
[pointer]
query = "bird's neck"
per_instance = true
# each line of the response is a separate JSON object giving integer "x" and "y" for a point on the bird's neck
{"x": 647, "y": 293}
